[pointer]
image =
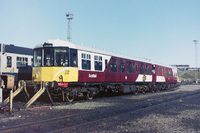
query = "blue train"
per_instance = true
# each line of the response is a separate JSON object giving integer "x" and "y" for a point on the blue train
{"x": 17, "y": 61}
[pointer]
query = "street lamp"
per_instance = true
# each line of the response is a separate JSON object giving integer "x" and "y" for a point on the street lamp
{"x": 196, "y": 59}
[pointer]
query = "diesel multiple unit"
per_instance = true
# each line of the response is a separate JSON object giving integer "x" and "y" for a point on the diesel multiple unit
{"x": 77, "y": 70}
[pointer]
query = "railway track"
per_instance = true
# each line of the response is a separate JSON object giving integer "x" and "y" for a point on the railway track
{"x": 72, "y": 122}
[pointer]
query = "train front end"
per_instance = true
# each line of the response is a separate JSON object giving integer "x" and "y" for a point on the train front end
{"x": 54, "y": 62}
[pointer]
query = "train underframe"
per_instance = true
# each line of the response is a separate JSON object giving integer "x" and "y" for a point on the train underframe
{"x": 33, "y": 90}
{"x": 90, "y": 90}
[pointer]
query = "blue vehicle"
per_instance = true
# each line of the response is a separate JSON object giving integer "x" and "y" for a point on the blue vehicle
{"x": 17, "y": 61}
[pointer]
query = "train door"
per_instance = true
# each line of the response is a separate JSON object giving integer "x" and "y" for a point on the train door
{"x": 154, "y": 73}
{"x": 122, "y": 76}
{"x": 112, "y": 71}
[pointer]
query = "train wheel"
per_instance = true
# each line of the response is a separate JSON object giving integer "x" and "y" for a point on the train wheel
{"x": 89, "y": 95}
{"x": 156, "y": 88}
{"x": 137, "y": 90}
{"x": 151, "y": 89}
{"x": 144, "y": 89}
{"x": 69, "y": 97}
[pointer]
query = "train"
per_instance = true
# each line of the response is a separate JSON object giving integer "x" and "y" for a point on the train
{"x": 17, "y": 61}
{"x": 79, "y": 71}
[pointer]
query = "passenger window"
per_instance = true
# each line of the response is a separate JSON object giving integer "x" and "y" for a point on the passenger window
{"x": 136, "y": 67}
{"x": 121, "y": 68}
{"x": 157, "y": 70}
{"x": 153, "y": 69}
{"x": 141, "y": 69}
{"x": 106, "y": 64}
{"x": 146, "y": 70}
{"x": 9, "y": 61}
{"x": 113, "y": 67}
{"x": 22, "y": 61}
{"x": 129, "y": 69}
{"x": 133, "y": 69}
{"x": 98, "y": 63}
{"x": 86, "y": 63}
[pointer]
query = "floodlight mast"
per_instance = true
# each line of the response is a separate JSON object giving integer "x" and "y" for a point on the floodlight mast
{"x": 196, "y": 59}
{"x": 69, "y": 17}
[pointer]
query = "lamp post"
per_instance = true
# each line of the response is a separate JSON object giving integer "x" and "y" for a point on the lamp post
{"x": 69, "y": 17}
{"x": 196, "y": 59}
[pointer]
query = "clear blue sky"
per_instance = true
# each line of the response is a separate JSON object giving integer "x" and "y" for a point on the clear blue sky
{"x": 160, "y": 30}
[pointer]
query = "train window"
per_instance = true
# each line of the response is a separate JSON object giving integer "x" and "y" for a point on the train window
{"x": 98, "y": 65}
{"x": 162, "y": 72}
{"x": 136, "y": 66}
{"x": 61, "y": 57}
{"x": 73, "y": 58}
{"x": 122, "y": 62}
{"x": 128, "y": 63}
{"x": 113, "y": 60}
{"x": 167, "y": 73}
{"x": 83, "y": 56}
{"x": 133, "y": 69}
{"x": 96, "y": 57}
{"x": 129, "y": 69}
{"x": 146, "y": 70}
{"x": 88, "y": 56}
{"x": 22, "y": 62}
{"x": 37, "y": 57}
{"x": 121, "y": 68}
{"x": 141, "y": 69}
{"x": 157, "y": 70}
{"x": 9, "y": 61}
{"x": 113, "y": 67}
{"x": 153, "y": 69}
{"x": 86, "y": 64}
{"x": 100, "y": 58}
{"x": 106, "y": 64}
{"x": 48, "y": 57}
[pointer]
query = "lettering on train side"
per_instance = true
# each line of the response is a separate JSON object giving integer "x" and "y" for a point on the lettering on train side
{"x": 92, "y": 75}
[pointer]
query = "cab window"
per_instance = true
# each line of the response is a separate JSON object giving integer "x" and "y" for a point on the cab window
{"x": 37, "y": 61}
{"x": 48, "y": 57}
{"x": 73, "y": 58}
{"x": 61, "y": 57}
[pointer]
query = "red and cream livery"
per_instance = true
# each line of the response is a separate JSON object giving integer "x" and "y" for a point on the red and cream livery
{"x": 79, "y": 70}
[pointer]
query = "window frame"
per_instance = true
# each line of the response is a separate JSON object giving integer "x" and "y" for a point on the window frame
{"x": 9, "y": 61}
{"x": 85, "y": 61}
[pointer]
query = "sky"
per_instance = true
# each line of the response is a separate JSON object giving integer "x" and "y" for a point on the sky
{"x": 160, "y": 30}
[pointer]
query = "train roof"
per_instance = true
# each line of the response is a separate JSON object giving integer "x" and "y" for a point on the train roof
{"x": 61, "y": 43}
{"x": 17, "y": 50}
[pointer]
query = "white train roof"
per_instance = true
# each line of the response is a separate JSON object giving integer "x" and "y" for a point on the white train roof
{"x": 61, "y": 43}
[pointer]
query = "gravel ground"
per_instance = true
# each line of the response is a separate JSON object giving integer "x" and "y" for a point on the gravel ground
{"x": 181, "y": 116}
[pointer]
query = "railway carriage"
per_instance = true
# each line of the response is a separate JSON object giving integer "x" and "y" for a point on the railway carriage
{"x": 77, "y": 70}
{"x": 16, "y": 61}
